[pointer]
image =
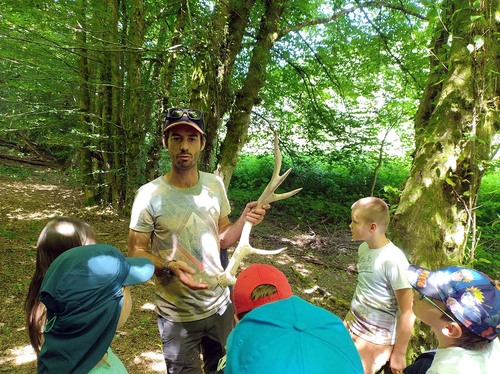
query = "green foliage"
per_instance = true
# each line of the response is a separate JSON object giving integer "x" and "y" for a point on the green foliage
{"x": 330, "y": 184}
{"x": 7, "y": 234}
{"x": 16, "y": 172}
{"x": 487, "y": 254}
{"x": 335, "y": 75}
{"x": 39, "y": 82}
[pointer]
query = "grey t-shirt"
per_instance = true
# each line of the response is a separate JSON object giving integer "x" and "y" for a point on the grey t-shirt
{"x": 184, "y": 226}
{"x": 374, "y": 307}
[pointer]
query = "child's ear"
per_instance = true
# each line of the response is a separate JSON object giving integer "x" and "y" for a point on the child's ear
{"x": 452, "y": 330}
{"x": 373, "y": 227}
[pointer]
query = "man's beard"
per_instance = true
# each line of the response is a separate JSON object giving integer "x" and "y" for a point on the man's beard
{"x": 185, "y": 164}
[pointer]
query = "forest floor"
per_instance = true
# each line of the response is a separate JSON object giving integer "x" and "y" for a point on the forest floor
{"x": 319, "y": 263}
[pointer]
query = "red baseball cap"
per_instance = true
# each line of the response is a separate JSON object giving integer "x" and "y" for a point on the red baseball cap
{"x": 252, "y": 277}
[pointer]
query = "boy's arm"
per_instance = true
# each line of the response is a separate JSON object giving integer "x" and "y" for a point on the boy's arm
{"x": 404, "y": 328}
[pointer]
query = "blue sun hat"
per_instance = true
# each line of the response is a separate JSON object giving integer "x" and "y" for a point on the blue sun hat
{"x": 470, "y": 295}
{"x": 82, "y": 291}
{"x": 291, "y": 336}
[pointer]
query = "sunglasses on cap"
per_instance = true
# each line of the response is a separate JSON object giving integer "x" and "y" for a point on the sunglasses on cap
{"x": 429, "y": 300}
{"x": 175, "y": 113}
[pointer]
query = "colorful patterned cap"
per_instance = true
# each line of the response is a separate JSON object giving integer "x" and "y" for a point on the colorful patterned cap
{"x": 471, "y": 296}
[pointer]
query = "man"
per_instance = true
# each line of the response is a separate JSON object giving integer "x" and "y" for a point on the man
{"x": 462, "y": 307}
{"x": 184, "y": 215}
{"x": 278, "y": 332}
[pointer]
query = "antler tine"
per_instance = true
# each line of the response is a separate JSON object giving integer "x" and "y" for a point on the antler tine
{"x": 268, "y": 196}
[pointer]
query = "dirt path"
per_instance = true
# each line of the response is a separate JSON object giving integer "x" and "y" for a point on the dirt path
{"x": 317, "y": 266}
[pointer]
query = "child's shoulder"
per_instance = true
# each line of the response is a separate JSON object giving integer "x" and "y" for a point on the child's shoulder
{"x": 393, "y": 255}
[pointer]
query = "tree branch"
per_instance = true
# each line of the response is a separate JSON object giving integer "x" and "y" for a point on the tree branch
{"x": 368, "y": 4}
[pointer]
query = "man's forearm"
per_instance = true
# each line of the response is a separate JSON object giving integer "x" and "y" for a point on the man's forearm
{"x": 231, "y": 233}
{"x": 138, "y": 244}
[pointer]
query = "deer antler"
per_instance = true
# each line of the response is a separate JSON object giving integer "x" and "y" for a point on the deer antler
{"x": 268, "y": 196}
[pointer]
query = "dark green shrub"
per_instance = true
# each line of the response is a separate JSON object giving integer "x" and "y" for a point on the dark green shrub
{"x": 330, "y": 184}
{"x": 487, "y": 254}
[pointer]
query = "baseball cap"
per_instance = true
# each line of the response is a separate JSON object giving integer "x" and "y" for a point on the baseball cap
{"x": 291, "y": 336}
{"x": 184, "y": 116}
{"x": 470, "y": 295}
{"x": 256, "y": 275}
{"x": 82, "y": 291}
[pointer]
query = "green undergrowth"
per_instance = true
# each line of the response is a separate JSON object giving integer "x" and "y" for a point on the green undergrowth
{"x": 331, "y": 185}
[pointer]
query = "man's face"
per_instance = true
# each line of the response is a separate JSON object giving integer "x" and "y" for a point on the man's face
{"x": 184, "y": 145}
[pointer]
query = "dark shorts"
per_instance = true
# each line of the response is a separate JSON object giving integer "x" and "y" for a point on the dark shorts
{"x": 183, "y": 342}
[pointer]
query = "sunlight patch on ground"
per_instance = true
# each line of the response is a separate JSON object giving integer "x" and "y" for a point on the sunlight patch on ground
{"x": 311, "y": 290}
{"x": 20, "y": 215}
{"x": 23, "y": 355}
{"x": 155, "y": 361}
{"x": 148, "y": 306}
{"x": 107, "y": 211}
{"x": 18, "y": 355}
{"x": 285, "y": 260}
{"x": 302, "y": 269}
{"x": 20, "y": 186}
{"x": 44, "y": 187}
{"x": 48, "y": 211}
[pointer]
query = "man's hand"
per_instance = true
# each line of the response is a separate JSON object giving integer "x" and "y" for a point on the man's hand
{"x": 255, "y": 215}
{"x": 184, "y": 273}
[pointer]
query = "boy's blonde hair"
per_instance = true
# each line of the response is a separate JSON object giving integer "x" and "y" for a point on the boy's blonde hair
{"x": 259, "y": 292}
{"x": 373, "y": 209}
{"x": 263, "y": 290}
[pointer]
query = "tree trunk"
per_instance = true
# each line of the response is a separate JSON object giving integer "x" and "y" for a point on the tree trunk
{"x": 455, "y": 124}
{"x": 134, "y": 123}
{"x": 247, "y": 97}
{"x": 116, "y": 176}
{"x": 84, "y": 154}
{"x": 229, "y": 23}
{"x": 161, "y": 79}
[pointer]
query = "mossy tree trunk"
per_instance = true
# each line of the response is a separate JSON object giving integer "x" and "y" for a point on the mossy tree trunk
{"x": 455, "y": 124}
{"x": 212, "y": 78}
{"x": 84, "y": 153}
{"x": 161, "y": 72}
{"x": 454, "y": 127}
{"x": 133, "y": 123}
{"x": 247, "y": 97}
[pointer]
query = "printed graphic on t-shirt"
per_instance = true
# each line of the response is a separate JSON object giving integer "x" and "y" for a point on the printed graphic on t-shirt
{"x": 365, "y": 264}
{"x": 190, "y": 239}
